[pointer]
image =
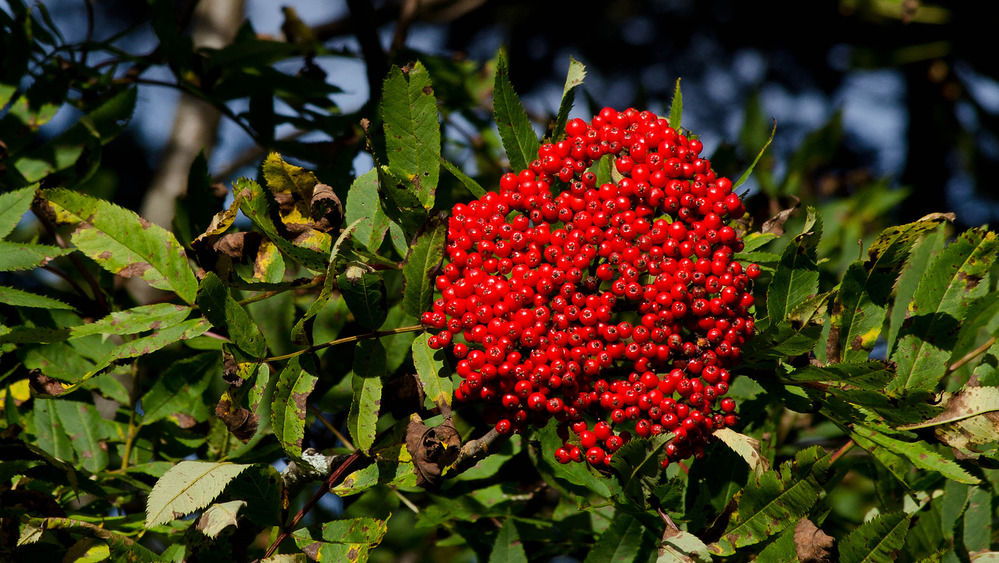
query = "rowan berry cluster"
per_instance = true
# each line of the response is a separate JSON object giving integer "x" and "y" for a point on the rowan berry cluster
{"x": 616, "y": 307}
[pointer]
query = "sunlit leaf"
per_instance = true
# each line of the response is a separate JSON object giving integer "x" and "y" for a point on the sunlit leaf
{"x": 189, "y": 486}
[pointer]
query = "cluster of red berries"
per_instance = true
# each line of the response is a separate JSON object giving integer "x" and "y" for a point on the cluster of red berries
{"x": 616, "y": 308}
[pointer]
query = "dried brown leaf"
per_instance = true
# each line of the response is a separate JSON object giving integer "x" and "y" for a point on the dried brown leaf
{"x": 811, "y": 543}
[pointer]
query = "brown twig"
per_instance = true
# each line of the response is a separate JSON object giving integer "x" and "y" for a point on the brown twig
{"x": 841, "y": 452}
{"x": 474, "y": 450}
{"x": 346, "y": 340}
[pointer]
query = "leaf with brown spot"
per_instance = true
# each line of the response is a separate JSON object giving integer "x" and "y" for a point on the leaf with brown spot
{"x": 412, "y": 131}
{"x": 288, "y": 406}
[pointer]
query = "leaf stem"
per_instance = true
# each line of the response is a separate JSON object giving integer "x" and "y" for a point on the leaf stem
{"x": 841, "y": 452}
{"x": 972, "y": 354}
{"x": 346, "y": 340}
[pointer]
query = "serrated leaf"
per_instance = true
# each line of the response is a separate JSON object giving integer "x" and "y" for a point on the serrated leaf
{"x": 179, "y": 388}
{"x": 748, "y": 448}
{"x": 637, "y": 466}
{"x": 870, "y": 375}
{"x": 978, "y": 520}
{"x": 797, "y": 276}
{"x": 774, "y": 501}
{"x": 343, "y": 540}
{"x": 224, "y": 312}
{"x": 574, "y": 77}
{"x": 958, "y": 276}
{"x": 625, "y": 540}
{"x": 676, "y": 107}
{"x": 187, "y": 487}
{"x": 21, "y": 298}
{"x": 366, "y": 384}
{"x": 125, "y": 244}
{"x": 432, "y": 371}
{"x": 420, "y": 269}
{"x": 84, "y": 426}
{"x": 465, "y": 179}
{"x": 862, "y": 301}
{"x": 149, "y": 344}
{"x": 15, "y": 256}
{"x": 878, "y": 539}
{"x": 918, "y": 453}
{"x": 979, "y": 328}
{"x": 122, "y": 548}
{"x": 781, "y": 550}
{"x": 13, "y": 206}
{"x": 289, "y": 405}
{"x": 364, "y": 293}
{"x": 965, "y": 404}
{"x": 219, "y": 517}
{"x": 519, "y": 139}
{"x": 508, "y": 548}
{"x": 912, "y": 273}
{"x": 412, "y": 130}
{"x": 363, "y": 202}
{"x": 134, "y": 320}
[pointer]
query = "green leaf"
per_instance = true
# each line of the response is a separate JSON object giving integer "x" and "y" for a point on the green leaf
{"x": 862, "y": 301}
{"x": 519, "y": 139}
{"x": 878, "y": 539}
{"x": 224, "y": 312}
{"x": 465, "y": 179}
{"x": 577, "y": 478}
{"x": 179, "y": 389}
{"x": 574, "y": 77}
{"x": 363, "y": 202}
{"x": 676, "y": 108}
{"x": 625, "y": 540}
{"x": 187, "y": 487}
{"x": 775, "y": 501}
{"x": 508, "y": 548}
{"x": 978, "y": 520}
{"x": 21, "y": 298}
{"x": 13, "y": 206}
{"x": 912, "y": 273}
{"x": 918, "y": 453}
{"x": 84, "y": 426}
{"x": 122, "y": 548}
{"x": 432, "y": 371}
{"x": 219, "y": 517}
{"x": 149, "y": 344}
{"x": 412, "y": 130}
{"x": 637, "y": 464}
{"x": 134, "y": 320}
{"x": 797, "y": 277}
{"x": 420, "y": 269}
{"x": 343, "y": 540}
{"x": 745, "y": 175}
{"x": 125, "y": 244}
{"x": 366, "y": 384}
{"x": 291, "y": 394}
{"x": 401, "y": 205}
{"x": 364, "y": 292}
{"x": 958, "y": 276}
{"x": 50, "y": 433}
{"x": 683, "y": 547}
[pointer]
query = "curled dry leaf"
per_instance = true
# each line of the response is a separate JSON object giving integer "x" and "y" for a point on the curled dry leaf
{"x": 241, "y": 422}
{"x": 432, "y": 449}
{"x": 811, "y": 544}
{"x": 327, "y": 211}
{"x": 775, "y": 224}
{"x": 44, "y": 385}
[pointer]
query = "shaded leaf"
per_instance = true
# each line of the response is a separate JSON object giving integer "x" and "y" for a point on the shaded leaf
{"x": 187, "y": 487}
{"x": 363, "y": 202}
{"x": 364, "y": 293}
{"x": 625, "y": 540}
{"x": 878, "y": 539}
{"x": 745, "y": 175}
{"x": 149, "y": 344}
{"x": 466, "y": 180}
{"x": 179, "y": 389}
{"x": 420, "y": 269}
{"x": 85, "y": 428}
{"x": 508, "y": 548}
{"x": 50, "y": 433}
{"x": 797, "y": 277}
{"x": 432, "y": 371}
{"x": 366, "y": 384}
{"x": 16, "y": 256}
{"x": 224, "y": 312}
{"x": 574, "y": 77}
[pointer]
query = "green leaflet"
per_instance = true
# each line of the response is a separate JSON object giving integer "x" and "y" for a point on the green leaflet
{"x": 366, "y": 384}
{"x": 16, "y": 256}
{"x": 574, "y": 77}
{"x": 364, "y": 292}
{"x": 578, "y": 478}
{"x": 291, "y": 394}
{"x": 465, "y": 179}
{"x": 797, "y": 277}
{"x": 745, "y": 175}
{"x": 676, "y": 108}
{"x": 125, "y": 244}
{"x": 188, "y": 486}
{"x": 119, "y": 547}
{"x": 875, "y": 540}
{"x": 363, "y": 202}
{"x": 508, "y": 548}
{"x": 432, "y": 371}
{"x": 223, "y": 311}
{"x": 412, "y": 130}
{"x": 180, "y": 387}
{"x": 912, "y": 272}
{"x": 958, "y": 276}
{"x": 21, "y": 298}
{"x": 519, "y": 139}
{"x": 862, "y": 301}
{"x": 774, "y": 501}
{"x": 149, "y": 344}
{"x": 343, "y": 540}
{"x": 85, "y": 428}
{"x": 627, "y": 539}
{"x": 134, "y": 320}
{"x": 918, "y": 453}
{"x": 13, "y": 206}
{"x": 420, "y": 269}
{"x": 50, "y": 433}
